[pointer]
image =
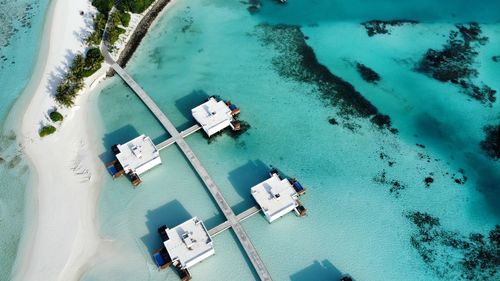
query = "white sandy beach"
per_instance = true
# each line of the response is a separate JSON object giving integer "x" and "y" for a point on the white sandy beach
{"x": 60, "y": 234}
{"x": 60, "y": 239}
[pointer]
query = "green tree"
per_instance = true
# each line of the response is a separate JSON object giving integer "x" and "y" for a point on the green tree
{"x": 124, "y": 18}
{"x": 137, "y": 6}
{"x": 103, "y": 6}
{"x": 93, "y": 61}
{"x": 47, "y": 130}
{"x": 56, "y": 116}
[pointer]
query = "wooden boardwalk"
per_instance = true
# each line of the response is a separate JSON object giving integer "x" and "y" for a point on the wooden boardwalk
{"x": 248, "y": 213}
{"x": 184, "y": 134}
{"x": 232, "y": 220}
{"x": 241, "y": 217}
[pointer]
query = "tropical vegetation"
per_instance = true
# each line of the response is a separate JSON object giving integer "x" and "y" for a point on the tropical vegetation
{"x": 84, "y": 65}
{"x": 47, "y": 130}
{"x": 72, "y": 82}
{"x": 56, "y": 116}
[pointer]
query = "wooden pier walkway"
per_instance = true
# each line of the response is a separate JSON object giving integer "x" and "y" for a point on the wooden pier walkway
{"x": 232, "y": 220}
{"x": 241, "y": 217}
{"x": 184, "y": 134}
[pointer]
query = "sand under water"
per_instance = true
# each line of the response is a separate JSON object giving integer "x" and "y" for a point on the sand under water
{"x": 20, "y": 35}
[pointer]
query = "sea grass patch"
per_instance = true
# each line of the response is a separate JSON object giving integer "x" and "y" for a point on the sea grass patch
{"x": 395, "y": 186}
{"x": 377, "y": 27}
{"x": 452, "y": 255}
{"x": 296, "y": 60}
{"x": 455, "y": 62}
{"x": 491, "y": 144}
{"x": 368, "y": 74}
{"x": 24, "y": 20}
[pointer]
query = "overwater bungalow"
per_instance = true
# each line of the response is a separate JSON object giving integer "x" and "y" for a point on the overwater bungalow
{"x": 277, "y": 197}
{"x": 216, "y": 115}
{"x": 134, "y": 158}
{"x": 184, "y": 246}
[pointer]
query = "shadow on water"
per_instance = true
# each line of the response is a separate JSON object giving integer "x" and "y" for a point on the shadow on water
{"x": 161, "y": 138}
{"x": 445, "y": 139}
{"x": 488, "y": 180}
{"x": 121, "y": 135}
{"x": 319, "y": 271}
{"x": 214, "y": 221}
{"x": 188, "y": 102}
{"x": 243, "y": 178}
{"x": 170, "y": 214}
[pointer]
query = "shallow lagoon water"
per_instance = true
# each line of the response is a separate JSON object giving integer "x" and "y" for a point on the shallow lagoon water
{"x": 355, "y": 224}
{"x": 20, "y": 36}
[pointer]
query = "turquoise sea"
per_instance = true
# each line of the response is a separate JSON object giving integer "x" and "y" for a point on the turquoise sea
{"x": 370, "y": 212}
{"x": 20, "y": 35}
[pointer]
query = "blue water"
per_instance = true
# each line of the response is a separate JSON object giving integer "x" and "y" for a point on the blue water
{"x": 20, "y": 36}
{"x": 355, "y": 223}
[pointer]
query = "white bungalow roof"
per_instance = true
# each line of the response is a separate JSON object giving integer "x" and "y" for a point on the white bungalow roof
{"x": 275, "y": 196}
{"x": 213, "y": 115}
{"x": 189, "y": 243}
{"x": 138, "y": 155}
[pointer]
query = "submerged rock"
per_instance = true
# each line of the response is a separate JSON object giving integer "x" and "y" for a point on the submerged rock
{"x": 423, "y": 220}
{"x": 454, "y": 256}
{"x": 461, "y": 179}
{"x": 491, "y": 144}
{"x": 454, "y": 63}
{"x": 381, "y": 120}
{"x": 375, "y": 27}
{"x": 395, "y": 186}
{"x": 253, "y": 6}
{"x": 368, "y": 74}
{"x": 496, "y": 58}
{"x": 428, "y": 181}
{"x": 333, "y": 121}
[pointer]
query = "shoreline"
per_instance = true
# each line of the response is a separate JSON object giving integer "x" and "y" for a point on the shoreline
{"x": 62, "y": 193}
{"x": 55, "y": 200}
{"x": 12, "y": 123}
{"x": 141, "y": 30}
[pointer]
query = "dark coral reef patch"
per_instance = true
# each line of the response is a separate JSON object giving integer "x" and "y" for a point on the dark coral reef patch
{"x": 296, "y": 60}
{"x": 395, "y": 186}
{"x": 454, "y": 256}
{"x": 368, "y": 74}
{"x": 454, "y": 63}
{"x": 428, "y": 181}
{"x": 375, "y": 27}
{"x": 491, "y": 144}
{"x": 333, "y": 121}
